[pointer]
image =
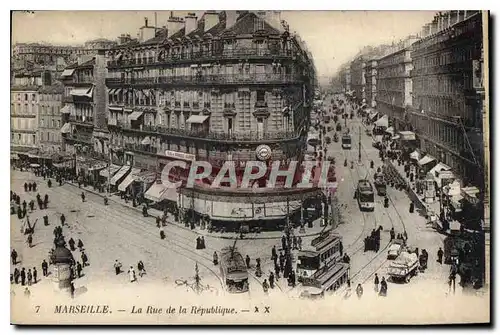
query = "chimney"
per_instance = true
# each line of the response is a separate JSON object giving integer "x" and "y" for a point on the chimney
{"x": 190, "y": 23}
{"x": 231, "y": 17}
{"x": 174, "y": 24}
{"x": 211, "y": 20}
{"x": 145, "y": 22}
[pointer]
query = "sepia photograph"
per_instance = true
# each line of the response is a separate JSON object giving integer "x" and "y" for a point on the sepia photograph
{"x": 249, "y": 167}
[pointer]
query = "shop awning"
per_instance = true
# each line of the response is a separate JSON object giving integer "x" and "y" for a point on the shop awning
{"x": 146, "y": 177}
{"x": 34, "y": 165}
{"x": 146, "y": 141}
{"x": 407, "y": 135}
{"x": 66, "y": 128}
{"x": 439, "y": 167}
{"x": 396, "y": 137}
{"x": 156, "y": 192}
{"x": 67, "y": 72}
{"x": 124, "y": 169}
{"x": 382, "y": 122}
{"x": 372, "y": 115}
{"x": 390, "y": 130}
{"x": 135, "y": 115}
{"x": 129, "y": 179}
{"x": 97, "y": 166}
{"x": 170, "y": 194}
{"x": 82, "y": 92}
{"x": 197, "y": 118}
{"x": 415, "y": 155}
{"x": 110, "y": 171}
{"x": 426, "y": 160}
{"x": 66, "y": 109}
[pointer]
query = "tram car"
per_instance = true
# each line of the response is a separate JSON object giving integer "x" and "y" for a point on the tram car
{"x": 365, "y": 195}
{"x": 380, "y": 184}
{"x": 328, "y": 279}
{"x": 324, "y": 250}
{"x": 233, "y": 270}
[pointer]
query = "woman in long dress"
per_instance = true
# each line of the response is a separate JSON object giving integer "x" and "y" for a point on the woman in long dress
{"x": 131, "y": 274}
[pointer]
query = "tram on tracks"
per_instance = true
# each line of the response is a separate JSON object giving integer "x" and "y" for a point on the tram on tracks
{"x": 346, "y": 141}
{"x": 365, "y": 195}
{"x": 323, "y": 251}
{"x": 233, "y": 271}
{"x": 330, "y": 278}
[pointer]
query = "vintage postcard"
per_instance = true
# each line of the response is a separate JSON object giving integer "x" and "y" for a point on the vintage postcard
{"x": 249, "y": 167}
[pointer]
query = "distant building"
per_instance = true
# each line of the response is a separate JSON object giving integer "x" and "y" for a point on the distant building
{"x": 24, "y": 118}
{"x": 358, "y": 79}
{"x": 371, "y": 82}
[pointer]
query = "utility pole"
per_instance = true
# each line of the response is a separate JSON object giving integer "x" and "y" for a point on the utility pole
{"x": 109, "y": 172}
{"x": 359, "y": 145}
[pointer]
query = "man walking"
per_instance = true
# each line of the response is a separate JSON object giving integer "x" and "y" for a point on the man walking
{"x": 45, "y": 267}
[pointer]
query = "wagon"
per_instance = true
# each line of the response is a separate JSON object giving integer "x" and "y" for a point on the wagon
{"x": 404, "y": 267}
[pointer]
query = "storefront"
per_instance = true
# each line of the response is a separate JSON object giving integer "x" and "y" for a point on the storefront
{"x": 425, "y": 165}
{"x": 125, "y": 185}
{"x": 158, "y": 193}
{"x": 119, "y": 176}
{"x": 108, "y": 172}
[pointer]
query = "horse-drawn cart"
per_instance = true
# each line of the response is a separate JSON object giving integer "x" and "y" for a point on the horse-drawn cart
{"x": 404, "y": 267}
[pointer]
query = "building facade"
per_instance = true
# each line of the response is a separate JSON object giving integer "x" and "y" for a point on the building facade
{"x": 394, "y": 85}
{"x": 49, "y": 118}
{"x": 358, "y": 79}
{"x": 448, "y": 92}
{"x": 371, "y": 82}
{"x": 214, "y": 89}
{"x": 24, "y": 118}
{"x": 47, "y": 54}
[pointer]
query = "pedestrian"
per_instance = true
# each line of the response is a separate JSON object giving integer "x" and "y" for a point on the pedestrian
{"x": 274, "y": 255}
{"x": 13, "y": 256}
{"x": 27, "y": 292}
{"x": 45, "y": 268}
{"x": 45, "y": 220}
{"x": 84, "y": 259}
{"x": 412, "y": 207}
{"x": 440, "y": 256}
{"x": 383, "y": 288}
{"x": 292, "y": 278}
{"x": 72, "y": 290}
{"x": 282, "y": 260}
{"x": 30, "y": 240}
{"x": 17, "y": 274}
{"x": 271, "y": 279}
{"x": 294, "y": 242}
{"x": 80, "y": 243}
{"x": 49, "y": 183}
{"x": 71, "y": 243}
{"x": 386, "y": 202}
{"x": 30, "y": 186}
{"x": 283, "y": 242}
{"x": 131, "y": 274}
{"x": 63, "y": 219}
{"x": 162, "y": 233}
{"x": 216, "y": 258}
{"x": 19, "y": 213}
{"x": 118, "y": 267}
{"x": 30, "y": 277}
{"x": 79, "y": 269}
{"x": 299, "y": 242}
{"x": 83, "y": 196}
{"x": 158, "y": 222}
{"x": 24, "y": 212}
{"x": 405, "y": 236}
{"x": 341, "y": 248}
{"x": 198, "y": 242}
{"x": 392, "y": 233}
{"x": 359, "y": 291}
{"x": 34, "y": 186}
{"x": 24, "y": 205}
{"x": 203, "y": 246}
{"x": 247, "y": 261}
{"x": 376, "y": 282}
{"x": 35, "y": 275}
{"x": 265, "y": 286}
{"x": 46, "y": 202}
{"x": 11, "y": 278}
{"x": 141, "y": 268}
{"x": 277, "y": 271}
{"x": 26, "y": 187}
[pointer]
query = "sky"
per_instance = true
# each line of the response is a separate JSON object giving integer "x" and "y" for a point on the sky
{"x": 333, "y": 37}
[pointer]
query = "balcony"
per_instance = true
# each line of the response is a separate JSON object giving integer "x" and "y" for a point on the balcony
{"x": 79, "y": 138}
{"x": 88, "y": 122}
{"x": 260, "y": 104}
{"x": 212, "y": 136}
{"x": 247, "y": 53}
{"x": 83, "y": 80}
{"x": 195, "y": 80}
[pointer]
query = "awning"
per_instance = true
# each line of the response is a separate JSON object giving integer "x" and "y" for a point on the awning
{"x": 129, "y": 179}
{"x": 146, "y": 177}
{"x": 66, "y": 128}
{"x": 82, "y": 92}
{"x": 118, "y": 109}
{"x": 373, "y": 115}
{"x": 390, "y": 130}
{"x": 194, "y": 65}
{"x": 97, "y": 166}
{"x": 407, "y": 135}
{"x": 439, "y": 167}
{"x": 426, "y": 160}
{"x": 382, "y": 122}
{"x": 66, "y": 109}
{"x": 206, "y": 65}
{"x": 110, "y": 171}
{"x": 67, "y": 72}
{"x": 34, "y": 165}
{"x": 197, "y": 118}
{"x": 396, "y": 137}
{"x": 415, "y": 155}
{"x": 135, "y": 115}
{"x": 124, "y": 169}
{"x": 146, "y": 141}
{"x": 155, "y": 192}
{"x": 111, "y": 91}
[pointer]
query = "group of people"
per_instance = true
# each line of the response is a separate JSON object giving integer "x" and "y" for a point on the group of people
{"x": 131, "y": 271}
{"x": 22, "y": 276}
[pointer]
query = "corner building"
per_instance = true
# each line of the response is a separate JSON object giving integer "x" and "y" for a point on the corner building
{"x": 213, "y": 89}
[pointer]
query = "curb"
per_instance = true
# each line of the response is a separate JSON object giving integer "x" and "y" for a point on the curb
{"x": 187, "y": 228}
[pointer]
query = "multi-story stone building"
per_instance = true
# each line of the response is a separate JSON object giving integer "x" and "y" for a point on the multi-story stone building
{"x": 394, "y": 83}
{"x": 84, "y": 113}
{"x": 23, "y": 118}
{"x": 358, "y": 79}
{"x": 214, "y": 89}
{"x": 371, "y": 82}
{"x": 448, "y": 92}
{"x": 47, "y": 54}
{"x": 49, "y": 118}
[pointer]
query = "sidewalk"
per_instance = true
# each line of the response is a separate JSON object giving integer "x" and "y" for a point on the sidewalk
{"x": 153, "y": 213}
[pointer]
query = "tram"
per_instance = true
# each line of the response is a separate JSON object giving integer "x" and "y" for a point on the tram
{"x": 365, "y": 195}
{"x": 233, "y": 270}
{"x": 313, "y": 139}
{"x": 324, "y": 250}
{"x": 346, "y": 141}
{"x": 329, "y": 278}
